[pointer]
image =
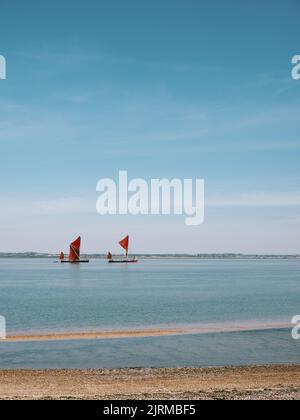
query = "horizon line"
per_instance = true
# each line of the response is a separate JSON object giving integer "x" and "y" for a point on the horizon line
{"x": 95, "y": 254}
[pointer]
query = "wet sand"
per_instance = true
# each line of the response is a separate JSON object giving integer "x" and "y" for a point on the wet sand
{"x": 101, "y": 335}
{"x": 257, "y": 382}
{"x": 136, "y": 333}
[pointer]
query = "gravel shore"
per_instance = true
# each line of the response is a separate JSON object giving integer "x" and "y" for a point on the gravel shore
{"x": 230, "y": 383}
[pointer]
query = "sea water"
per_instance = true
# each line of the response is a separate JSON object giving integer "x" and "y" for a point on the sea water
{"x": 40, "y": 295}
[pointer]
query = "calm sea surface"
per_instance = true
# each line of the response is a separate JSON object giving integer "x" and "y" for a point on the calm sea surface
{"x": 42, "y": 296}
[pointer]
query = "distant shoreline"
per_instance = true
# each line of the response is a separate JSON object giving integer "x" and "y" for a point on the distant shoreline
{"x": 36, "y": 255}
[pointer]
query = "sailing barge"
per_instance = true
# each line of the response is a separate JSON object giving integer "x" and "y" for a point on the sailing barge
{"x": 74, "y": 255}
{"x": 124, "y": 243}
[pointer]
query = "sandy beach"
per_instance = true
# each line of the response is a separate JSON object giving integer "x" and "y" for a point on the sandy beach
{"x": 257, "y": 382}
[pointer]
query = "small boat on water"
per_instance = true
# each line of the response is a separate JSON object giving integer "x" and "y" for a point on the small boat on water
{"x": 124, "y": 243}
{"x": 74, "y": 255}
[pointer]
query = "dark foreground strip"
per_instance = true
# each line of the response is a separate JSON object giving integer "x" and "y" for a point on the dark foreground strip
{"x": 124, "y": 409}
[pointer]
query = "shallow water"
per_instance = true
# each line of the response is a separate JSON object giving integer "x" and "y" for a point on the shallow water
{"x": 243, "y": 348}
{"x": 41, "y": 296}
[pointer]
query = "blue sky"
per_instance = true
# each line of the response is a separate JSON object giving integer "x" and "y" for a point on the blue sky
{"x": 163, "y": 89}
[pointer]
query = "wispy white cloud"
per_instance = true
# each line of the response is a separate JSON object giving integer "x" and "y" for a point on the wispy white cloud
{"x": 256, "y": 200}
{"x": 47, "y": 207}
{"x": 60, "y": 60}
{"x": 83, "y": 205}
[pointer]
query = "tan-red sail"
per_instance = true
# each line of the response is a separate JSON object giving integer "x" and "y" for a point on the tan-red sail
{"x": 62, "y": 256}
{"x": 75, "y": 250}
{"x": 109, "y": 256}
{"x": 124, "y": 243}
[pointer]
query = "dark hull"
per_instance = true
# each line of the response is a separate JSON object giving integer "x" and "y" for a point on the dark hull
{"x": 75, "y": 262}
{"x": 123, "y": 261}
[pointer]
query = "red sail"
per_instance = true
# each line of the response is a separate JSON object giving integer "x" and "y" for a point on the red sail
{"x": 75, "y": 250}
{"x": 62, "y": 256}
{"x": 109, "y": 256}
{"x": 125, "y": 244}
